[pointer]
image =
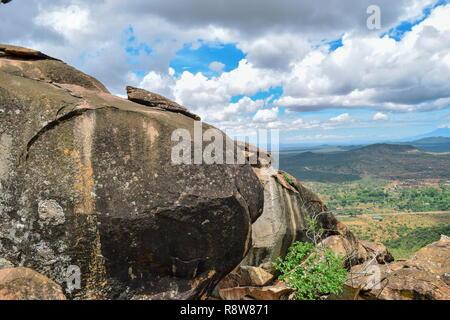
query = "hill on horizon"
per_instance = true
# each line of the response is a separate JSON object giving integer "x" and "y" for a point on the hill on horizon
{"x": 429, "y": 144}
{"x": 382, "y": 160}
{"x": 440, "y": 132}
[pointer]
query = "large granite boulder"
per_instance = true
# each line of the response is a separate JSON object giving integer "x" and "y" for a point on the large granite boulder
{"x": 86, "y": 180}
{"x": 26, "y": 284}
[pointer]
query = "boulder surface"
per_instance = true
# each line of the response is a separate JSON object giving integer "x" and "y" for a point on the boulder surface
{"x": 26, "y": 284}
{"x": 86, "y": 180}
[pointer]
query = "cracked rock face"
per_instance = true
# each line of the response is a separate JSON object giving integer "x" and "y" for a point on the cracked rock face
{"x": 86, "y": 180}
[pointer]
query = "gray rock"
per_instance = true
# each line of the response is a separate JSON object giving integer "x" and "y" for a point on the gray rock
{"x": 4, "y": 264}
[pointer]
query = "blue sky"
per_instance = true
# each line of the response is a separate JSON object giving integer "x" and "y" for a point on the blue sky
{"x": 399, "y": 31}
{"x": 197, "y": 57}
{"x": 324, "y": 80}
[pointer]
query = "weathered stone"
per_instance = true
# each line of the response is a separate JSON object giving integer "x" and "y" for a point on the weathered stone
{"x": 339, "y": 245}
{"x": 50, "y": 212}
{"x": 86, "y": 179}
{"x": 246, "y": 276}
{"x": 411, "y": 284}
{"x": 434, "y": 258}
{"x": 155, "y": 100}
{"x": 32, "y": 64}
{"x": 423, "y": 277}
{"x": 257, "y": 157}
{"x": 26, "y": 284}
{"x": 287, "y": 205}
{"x": 355, "y": 252}
{"x": 377, "y": 250}
{"x": 23, "y": 53}
{"x": 254, "y": 276}
{"x": 446, "y": 278}
{"x": 278, "y": 291}
{"x": 5, "y": 264}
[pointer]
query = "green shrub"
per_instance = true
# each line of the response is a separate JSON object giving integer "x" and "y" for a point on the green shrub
{"x": 289, "y": 180}
{"x": 414, "y": 240}
{"x": 312, "y": 271}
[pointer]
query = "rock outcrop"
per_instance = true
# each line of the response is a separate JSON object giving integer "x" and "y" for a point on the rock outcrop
{"x": 155, "y": 100}
{"x": 86, "y": 180}
{"x": 26, "y": 284}
{"x": 423, "y": 277}
{"x": 288, "y": 206}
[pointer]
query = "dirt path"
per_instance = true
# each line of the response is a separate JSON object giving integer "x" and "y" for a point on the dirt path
{"x": 396, "y": 214}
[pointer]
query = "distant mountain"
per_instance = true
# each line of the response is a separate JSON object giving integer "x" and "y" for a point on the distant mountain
{"x": 441, "y": 132}
{"x": 432, "y": 144}
{"x": 386, "y": 161}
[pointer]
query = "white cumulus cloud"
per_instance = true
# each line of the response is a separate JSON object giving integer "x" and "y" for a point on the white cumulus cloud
{"x": 379, "y": 116}
{"x": 345, "y": 117}
{"x": 216, "y": 66}
{"x": 266, "y": 115}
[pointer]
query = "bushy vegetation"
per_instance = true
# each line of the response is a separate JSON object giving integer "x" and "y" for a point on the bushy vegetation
{"x": 312, "y": 271}
{"x": 370, "y": 195}
{"x": 405, "y": 246}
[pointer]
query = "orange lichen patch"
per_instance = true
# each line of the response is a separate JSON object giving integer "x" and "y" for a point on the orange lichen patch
{"x": 97, "y": 273}
{"x": 201, "y": 279}
{"x": 151, "y": 131}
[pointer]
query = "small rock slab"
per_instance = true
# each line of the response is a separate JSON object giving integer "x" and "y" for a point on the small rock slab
{"x": 151, "y": 99}
{"x": 21, "y": 52}
{"x": 26, "y": 284}
{"x": 276, "y": 292}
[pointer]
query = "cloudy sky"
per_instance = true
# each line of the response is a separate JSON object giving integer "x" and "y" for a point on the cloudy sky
{"x": 312, "y": 69}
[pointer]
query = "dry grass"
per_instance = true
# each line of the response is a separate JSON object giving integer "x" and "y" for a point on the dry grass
{"x": 393, "y": 226}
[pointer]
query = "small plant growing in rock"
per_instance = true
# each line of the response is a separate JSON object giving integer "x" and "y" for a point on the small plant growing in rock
{"x": 288, "y": 179}
{"x": 310, "y": 269}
